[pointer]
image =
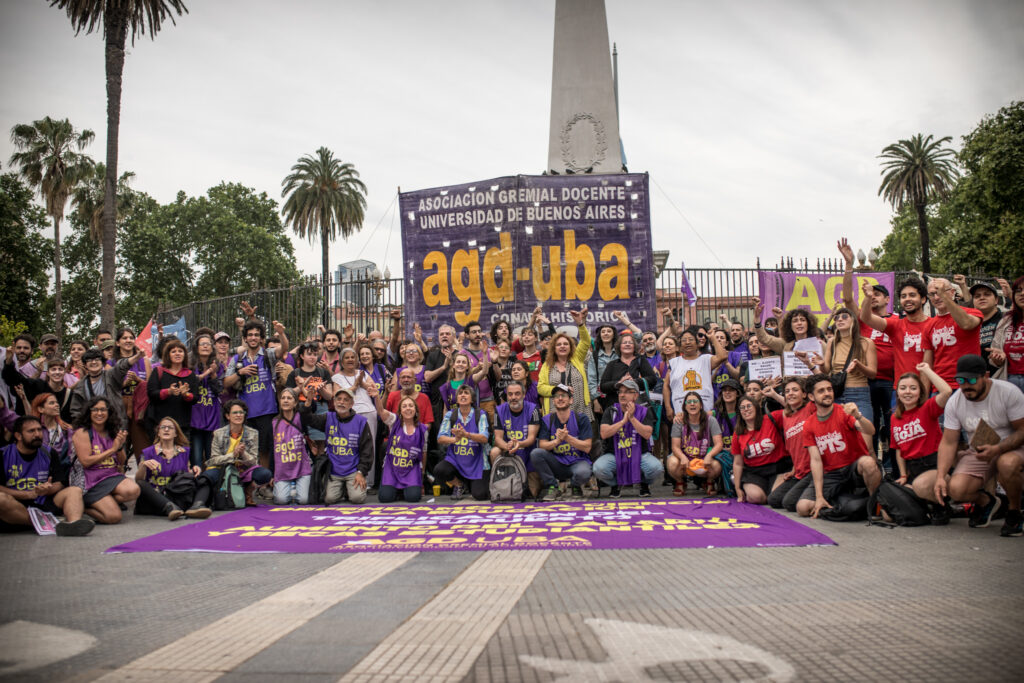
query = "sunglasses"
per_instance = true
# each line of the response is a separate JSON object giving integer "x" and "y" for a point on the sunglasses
{"x": 967, "y": 380}
{"x": 840, "y": 316}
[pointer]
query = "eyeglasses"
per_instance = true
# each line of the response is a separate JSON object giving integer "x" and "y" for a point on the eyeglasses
{"x": 692, "y": 402}
{"x": 967, "y": 380}
{"x": 99, "y": 410}
{"x": 171, "y": 427}
{"x": 237, "y": 412}
{"x": 746, "y": 406}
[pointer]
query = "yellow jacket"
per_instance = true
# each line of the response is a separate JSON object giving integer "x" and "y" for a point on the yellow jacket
{"x": 579, "y": 361}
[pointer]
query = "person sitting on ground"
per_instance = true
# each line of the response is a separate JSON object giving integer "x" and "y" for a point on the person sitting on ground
{"x": 405, "y": 451}
{"x": 237, "y": 444}
{"x": 916, "y": 433}
{"x": 515, "y": 431}
{"x": 726, "y": 414}
{"x": 626, "y": 428}
{"x": 838, "y": 455}
{"x": 792, "y": 419}
{"x": 1000, "y": 457}
{"x": 168, "y": 484}
{"x": 464, "y": 433}
{"x": 564, "y": 440}
{"x": 349, "y": 446}
{"x": 696, "y": 440}
{"x": 760, "y": 461}
{"x": 292, "y": 460}
{"x": 33, "y": 477}
{"x": 98, "y": 443}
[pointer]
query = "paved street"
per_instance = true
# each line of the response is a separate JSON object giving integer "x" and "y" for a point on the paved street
{"x": 884, "y": 604}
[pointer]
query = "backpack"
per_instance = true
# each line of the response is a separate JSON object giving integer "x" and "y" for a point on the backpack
{"x": 230, "y": 495}
{"x": 508, "y": 478}
{"x": 321, "y": 474}
{"x": 851, "y": 506}
{"x": 903, "y": 507}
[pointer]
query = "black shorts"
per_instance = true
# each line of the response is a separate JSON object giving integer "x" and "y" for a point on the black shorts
{"x": 833, "y": 483}
{"x": 918, "y": 466}
{"x": 763, "y": 476}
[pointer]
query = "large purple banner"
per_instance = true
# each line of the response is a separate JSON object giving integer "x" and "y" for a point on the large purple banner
{"x": 598, "y": 525}
{"x": 497, "y": 248}
{"x": 815, "y": 292}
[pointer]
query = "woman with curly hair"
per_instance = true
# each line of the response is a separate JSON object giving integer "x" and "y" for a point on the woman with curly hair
{"x": 98, "y": 444}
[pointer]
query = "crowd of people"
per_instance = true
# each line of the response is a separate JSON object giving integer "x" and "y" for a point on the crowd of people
{"x": 933, "y": 402}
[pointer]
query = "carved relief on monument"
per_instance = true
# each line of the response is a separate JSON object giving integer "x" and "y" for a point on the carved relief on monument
{"x": 584, "y": 142}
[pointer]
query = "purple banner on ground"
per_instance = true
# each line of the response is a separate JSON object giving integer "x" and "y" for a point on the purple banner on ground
{"x": 496, "y": 248}
{"x": 597, "y": 525}
{"x": 815, "y": 292}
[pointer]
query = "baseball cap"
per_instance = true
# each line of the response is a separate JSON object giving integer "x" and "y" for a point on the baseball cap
{"x": 222, "y": 335}
{"x": 561, "y": 387}
{"x": 347, "y": 390}
{"x": 981, "y": 283}
{"x": 628, "y": 383}
{"x": 881, "y": 289}
{"x": 107, "y": 343}
{"x": 971, "y": 366}
{"x": 47, "y": 338}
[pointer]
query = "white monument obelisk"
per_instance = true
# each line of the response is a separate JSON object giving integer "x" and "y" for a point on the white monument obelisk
{"x": 584, "y": 118}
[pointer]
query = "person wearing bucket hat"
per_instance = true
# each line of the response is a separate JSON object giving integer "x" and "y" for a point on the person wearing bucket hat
{"x": 626, "y": 428}
{"x": 996, "y": 449}
{"x": 564, "y": 440}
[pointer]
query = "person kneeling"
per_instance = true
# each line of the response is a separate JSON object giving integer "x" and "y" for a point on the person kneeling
{"x": 168, "y": 485}
{"x": 237, "y": 444}
{"x": 565, "y": 438}
{"x": 292, "y": 464}
{"x": 626, "y": 428}
{"x": 464, "y": 432}
{"x": 404, "y": 451}
{"x": 33, "y": 477}
{"x": 349, "y": 447}
{"x": 838, "y": 454}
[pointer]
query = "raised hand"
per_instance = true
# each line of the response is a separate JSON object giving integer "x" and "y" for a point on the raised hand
{"x": 758, "y": 307}
{"x": 778, "y": 312}
{"x": 846, "y": 250}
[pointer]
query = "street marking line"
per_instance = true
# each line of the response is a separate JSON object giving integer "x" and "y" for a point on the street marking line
{"x": 213, "y": 650}
{"x": 448, "y": 633}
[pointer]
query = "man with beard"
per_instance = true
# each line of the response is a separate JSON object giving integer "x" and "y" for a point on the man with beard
{"x": 1001, "y": 406}
{"x": 33, "y": 477}
{"x": 838, "y": 454}
{"x": 331, "y": 360}
{"x": 911, "y": 336}
{"x": 515, "y": 431}
{"x": 955, "y": 330}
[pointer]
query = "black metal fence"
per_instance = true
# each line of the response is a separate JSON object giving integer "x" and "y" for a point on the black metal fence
{"x": 366, "y": 303}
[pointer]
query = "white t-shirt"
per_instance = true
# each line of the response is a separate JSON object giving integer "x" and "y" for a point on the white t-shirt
{"x": 691, "y": 375}
{"x": 1003, "y": 404}
{"x": 362, "y": 402}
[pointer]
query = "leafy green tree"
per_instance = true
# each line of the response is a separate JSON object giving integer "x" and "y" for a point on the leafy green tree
{"x": 917, "y": 171}
{"x": 901, "y": 248}
{"x": 48, "y": 160}
{"x": 116, "y": 19}
{"x": 25, "y": 256}
{"x": 324, "y": 198}
{"x": 88, "y": 198}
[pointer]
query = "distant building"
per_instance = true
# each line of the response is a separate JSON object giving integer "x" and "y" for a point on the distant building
{"x": 356, "y": 294}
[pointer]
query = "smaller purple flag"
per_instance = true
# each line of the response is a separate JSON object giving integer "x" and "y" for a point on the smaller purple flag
{"x": 687, "y": 290}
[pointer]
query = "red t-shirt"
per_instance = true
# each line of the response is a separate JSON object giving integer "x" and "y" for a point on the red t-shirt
{"x": 917, "y": 433}
{"x": 909, "y": 342}
{"x": 762, "y": 447}
{"x": 884, "y": 347}
{"x": 793, "y": 430}
{"x": 422, "y": 402}
{"x": 1013, "y": 347}
{"x": 836, "y": 437}
{"x": 951, "y": 341}
{"x": 534, "y": 362}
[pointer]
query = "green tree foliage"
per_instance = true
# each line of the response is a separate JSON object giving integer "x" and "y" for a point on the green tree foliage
{"x": 986, "y": 209}
{"x": 116, "y": 19}
{"x": 918, "y": 171}
{"x": 901, "y": 248}
{"x": 25, "y": 256}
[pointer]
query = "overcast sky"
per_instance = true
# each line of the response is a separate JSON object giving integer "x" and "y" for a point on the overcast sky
{"x": 760, "y": 120}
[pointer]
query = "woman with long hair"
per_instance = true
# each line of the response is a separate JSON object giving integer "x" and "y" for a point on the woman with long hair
{"x": 796, "y": 411}
{"x": 413, "y": 357}
{"x": 56, "y": 432}
{"x": 759, "y": 454}
{"x": 98, "y": 444}
{"x": 1008, "y": 343}
{"x": 168, "y": 484}
{"x": 173, "y": 387}
{"x": 460, "y": 372}
{"x": 566, "y": 364}
{"x": 501, "y": 369}
{"x": 796, "y": 325}
{"x": 135, "y": 402}
{"x": 206, "y": 411}
{"x": 669, "y": 347}
{"x": 695, "y": 443}
{"x": 464, "y": 433}
{"x": 857, "y": 354}
{"x": 293, "y": 466}
{"x": 916, "y": 433}
{"x": 405, "y": 452}
{"x": 726, "y": 413}
{"x": 691, "y": 370}
{"x": 602, "y": 352}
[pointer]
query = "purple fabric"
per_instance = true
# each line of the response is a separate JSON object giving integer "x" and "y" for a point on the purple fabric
{"x": 403, "y": 459}
{"x": 257, "y": 390}
{"x": 564, "y": 452}
{"x": 817, "y": 293}
{"x": 685, "y": 288}
{"x": 628, "y": 448}
{"x": 593, "y": 525}
{"x": 494, "y": 248}
{"x": 168, "y": 468}
{"x": 105, "y": 468}
{"x": 343, "y": 443}
{"x": 291, "y": 460}
{"x": 421, "y": 378}
{"x": 22, "y": 475}
{"x": 517, "y": 427}
{"x": 467, "y": 455}
{"x": 206, "y": 410}
{"x": 447, "y": 394}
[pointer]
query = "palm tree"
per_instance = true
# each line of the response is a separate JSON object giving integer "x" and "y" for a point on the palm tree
{"x": 48, "y": 159}
{"x": 116, "y": 18}
{"x": 326, "y": 199}
{"x": 87, "y": 199}
{"x": 916, "y": 171}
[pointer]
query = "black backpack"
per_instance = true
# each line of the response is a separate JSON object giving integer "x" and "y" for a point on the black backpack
{"x": 321, "y": 474}
{"x": 851, "y": 506}
{"x": 899, "y": 502}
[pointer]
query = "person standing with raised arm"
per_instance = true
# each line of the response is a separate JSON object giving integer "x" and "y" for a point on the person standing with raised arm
{"x": 955, "y": 330}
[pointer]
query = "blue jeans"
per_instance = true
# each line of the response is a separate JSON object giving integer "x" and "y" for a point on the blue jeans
{"x": 650, "y": 469}
{"x": 288, "y": 492}
{"x": 202, "y": 442}
{"x": 1016, "y": 380}
{"x": 862, "y": 397}
{"x": 551, "y": 471}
